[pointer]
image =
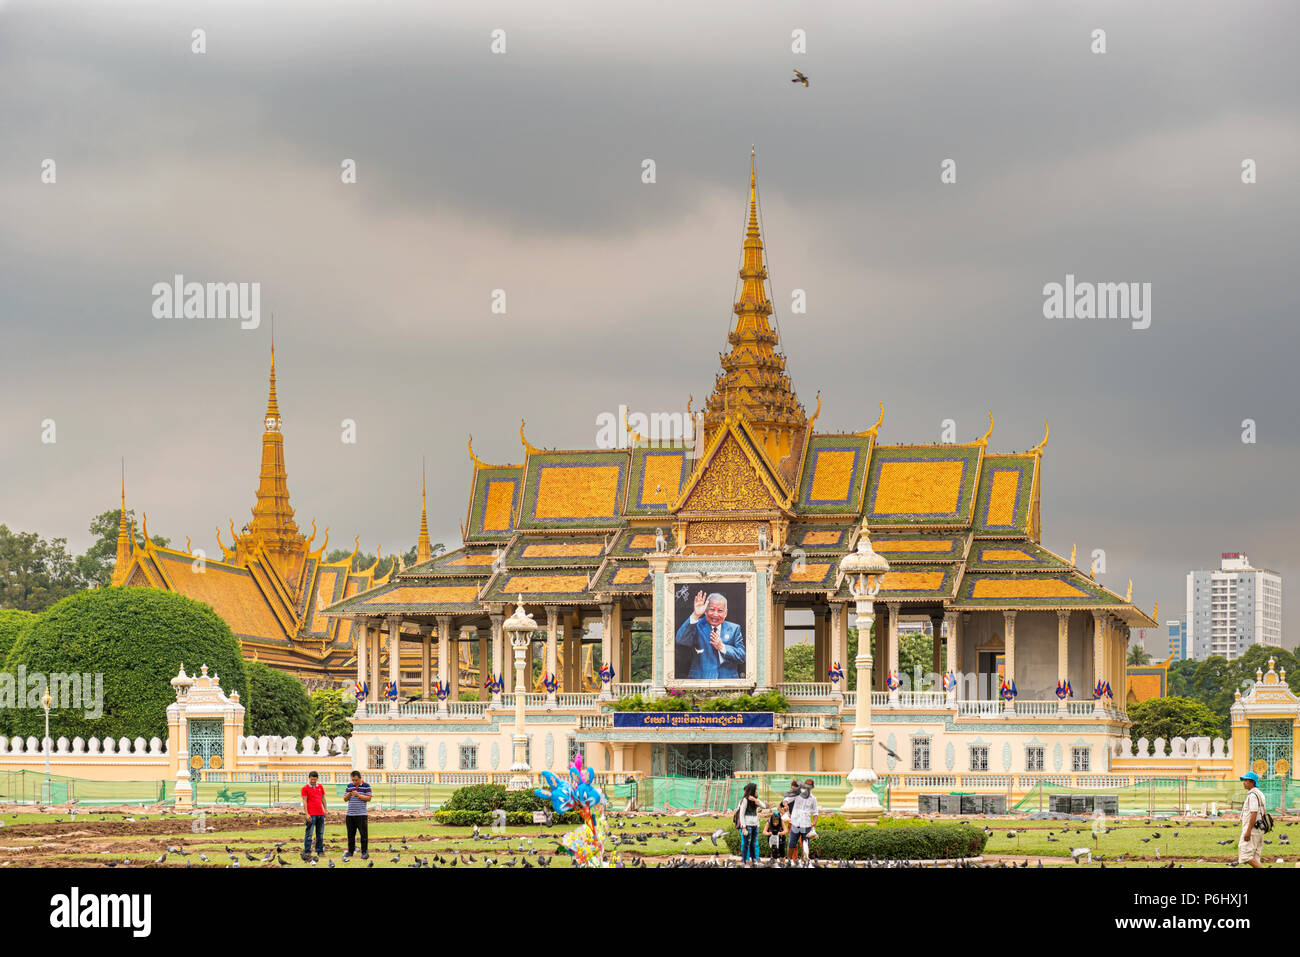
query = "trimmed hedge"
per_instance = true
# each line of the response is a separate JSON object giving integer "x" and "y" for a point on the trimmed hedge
{"x": 137, "y": 638}
{"x": 474, "y": 804}
{"x": 926, "y": 842}
{"x": 276, "y": 702}
{"x": 767, "y": 701}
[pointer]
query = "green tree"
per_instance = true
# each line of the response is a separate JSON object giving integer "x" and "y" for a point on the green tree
{"x": 1169, "y": 718}
{"x": 276, "y": 702}
{"x": 1137, "y": 655}
{"x": 799, "y": 663}
{"x": 95, "y": 566}
{"x": 1180, "y": 677}
{"x": 330, "y": 711}
{"x": 12, "y": 624}
{"x": 915, "y": 654}
{"x": 135, "y": 640}
{"x": 34, "y": 572}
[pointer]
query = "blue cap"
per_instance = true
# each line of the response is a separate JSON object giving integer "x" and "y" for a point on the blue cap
{"x": 1252, "y": 777}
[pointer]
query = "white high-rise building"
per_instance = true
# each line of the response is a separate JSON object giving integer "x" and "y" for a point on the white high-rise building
{"x": 1232, "y": 608}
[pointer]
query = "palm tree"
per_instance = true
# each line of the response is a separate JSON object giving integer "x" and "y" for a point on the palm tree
{"x": 1138, "y": 656}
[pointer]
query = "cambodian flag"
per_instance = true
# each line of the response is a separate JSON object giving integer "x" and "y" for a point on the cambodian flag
{"x": 390, "y": 690}
{"x": 362, "y": 690}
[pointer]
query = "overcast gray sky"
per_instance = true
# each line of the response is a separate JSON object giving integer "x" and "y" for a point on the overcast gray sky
{"x": 522, "y": 171}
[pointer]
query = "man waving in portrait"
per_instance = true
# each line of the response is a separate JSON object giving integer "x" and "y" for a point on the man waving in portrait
{"x": 718, "y": 646}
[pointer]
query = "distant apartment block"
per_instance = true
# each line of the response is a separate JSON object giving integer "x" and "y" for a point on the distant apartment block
{"x": 1232, "y": 607}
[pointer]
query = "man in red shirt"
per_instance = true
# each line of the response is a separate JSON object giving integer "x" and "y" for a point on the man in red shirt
{"x": 313, "y": 806}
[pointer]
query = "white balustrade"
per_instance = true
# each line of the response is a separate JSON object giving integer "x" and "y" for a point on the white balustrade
{"x": 626, "y": 689}
{"x": 922, "y": 699}
{"x": 1051, "y": 708}
{"x": 1079, "y": 708}
{"x": 468, "y": 709}
{"x": 576, "y": 700}
{"x": 805, "y": 689}
{"x": 850, "y": 699}
{"x": 531, "y": 700}
{"x": 880, "y": 699}
{"x": 416, "y": 708}
{"x": 982, "y": 709}
{"x": 595, "y": 722}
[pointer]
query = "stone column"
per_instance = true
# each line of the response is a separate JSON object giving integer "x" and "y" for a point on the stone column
{"x": 426, "y": 650}
{"x": 606, "y": 643}
{"x": 573, "y": 652}
{"x": 484, "y": 668}
{"x": 376, "y": 646}
{"x": 1098, "y": 649}
{"x": 394, "y": 658}
{"x": 496, "y": 666}
{"x": 839, "y": 642}
{"x": 552, "y": 628}
{"x": 1009, "y": 620}
{"x": 952, "y": 617}
{"x": 894, "y": 608}
{"x": 776, "y": 645}
{"x": 819, "y": 644}
{"x": 861, "y": 803}
{"x": 1062, "y": 655}
{"x": 363, "y": 639}
{"x": 458, "y": 640}
{"x": 444, "y": 656}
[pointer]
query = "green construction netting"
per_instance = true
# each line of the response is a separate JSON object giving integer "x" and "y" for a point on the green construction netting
{"x": 721, "y": 795}
{"x": 1168, "y": 796}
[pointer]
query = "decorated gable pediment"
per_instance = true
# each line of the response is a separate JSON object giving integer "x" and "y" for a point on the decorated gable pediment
{"x": 730, "y": 482}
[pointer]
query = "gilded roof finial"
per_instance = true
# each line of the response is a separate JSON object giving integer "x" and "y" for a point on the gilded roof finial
{"x": 875, "y": 429}
{"x": 1128, "y": 596}
{"x": 189, "y": 549}
{"x": 272, "y": 406}
{"x": 636, "y": 437}
{"x": 529, "y": 449}
{"x": 423, "y": 550}
{"x": 356, "y": 547}
{"x": 1155, "y": 613}
{"x": 984, "y": 439}
{"x": 1074, "y": 549}
{"x": 1046, "y": 432}
{"x": 813, "y": 420}
{"x": 125, "y": 540}
{"x": 478, "y": 463}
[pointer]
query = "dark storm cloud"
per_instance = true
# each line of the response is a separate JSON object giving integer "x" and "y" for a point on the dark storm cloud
{"x": 522, "y": 172}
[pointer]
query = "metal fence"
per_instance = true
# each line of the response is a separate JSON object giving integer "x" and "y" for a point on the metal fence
{"x": 1170, "y": 795}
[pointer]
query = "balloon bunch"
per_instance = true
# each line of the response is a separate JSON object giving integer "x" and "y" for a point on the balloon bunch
{"x": 835, "y": 673}
{"x": 586, "y": 842}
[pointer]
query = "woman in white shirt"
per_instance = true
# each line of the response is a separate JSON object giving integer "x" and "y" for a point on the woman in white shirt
{"x": 747, "y": 813}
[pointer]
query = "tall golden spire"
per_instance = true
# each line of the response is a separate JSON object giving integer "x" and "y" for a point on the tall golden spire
{"x": 753, "y": 382}
{"x": 273, "y": 523}
{"x": 423, "y": 550}
{"x": 124, "y": 541}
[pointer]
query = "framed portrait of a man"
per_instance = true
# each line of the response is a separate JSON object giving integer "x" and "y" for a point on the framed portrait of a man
{"x": 710, "y": 638}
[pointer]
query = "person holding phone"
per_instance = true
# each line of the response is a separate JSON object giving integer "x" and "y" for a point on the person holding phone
{"x": 357, "y": 822}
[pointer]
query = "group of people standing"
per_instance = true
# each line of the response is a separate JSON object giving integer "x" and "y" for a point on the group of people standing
{"x": 790, "y": 826}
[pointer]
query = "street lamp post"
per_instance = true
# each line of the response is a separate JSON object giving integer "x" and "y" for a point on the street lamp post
{"x": 520, "y": 627}
{"x": 863, "y": 568}
{"x": 45, "y": 700}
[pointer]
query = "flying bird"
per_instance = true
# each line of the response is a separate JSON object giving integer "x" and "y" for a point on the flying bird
{"x": 890, "y": 752}
{"x": 799, "y": 78}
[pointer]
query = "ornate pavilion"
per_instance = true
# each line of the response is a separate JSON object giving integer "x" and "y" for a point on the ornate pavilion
{"x": 270, "y": 585}
{"x": 771, "y": 505}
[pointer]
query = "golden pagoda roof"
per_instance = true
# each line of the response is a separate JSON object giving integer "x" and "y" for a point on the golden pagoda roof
{"x": 753, "y": 383}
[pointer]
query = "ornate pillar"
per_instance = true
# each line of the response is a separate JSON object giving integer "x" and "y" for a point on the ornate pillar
{"x": 625, "y": 644}
{"x": 520, "y": 627}
{"x": 573, "y": 651}
{"x": 426, "y": 650}
{"x": 394, "y": 658}
{"x": 496, "y": 666}
{"x": 606, "y": 643}
{"x": 839, "y": 642}
{"x": 952, "y": 617}
{"x": 444, "y": 655}
{"x": 552, "y": 628}
{"x": 484, "y": 668}
{"x": 376, "y": 643}
{"x": 936, "y": 626}
{"x": 1062, "y": 655}
{"x": 776, "y": 645}
{"x": 819, "y": 644}
{"x": 861, "y": 802}
{"x": 1098, "y": 649}
{"x": 363, "y": 639}
{"x": 893, "y": 648}
{"x": 465, "y": 638}
{"x": 1009, "y": 620}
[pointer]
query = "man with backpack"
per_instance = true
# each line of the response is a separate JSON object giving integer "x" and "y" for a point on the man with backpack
{"x": 1255, "y": 821}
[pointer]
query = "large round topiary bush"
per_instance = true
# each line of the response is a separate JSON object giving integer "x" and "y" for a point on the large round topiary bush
{"x": 12, "y": 624}
{"x": 277, "y": 703}
{"x": 137, "y": 639}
